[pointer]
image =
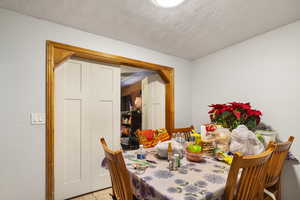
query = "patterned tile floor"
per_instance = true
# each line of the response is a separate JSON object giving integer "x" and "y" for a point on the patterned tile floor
{"x": 100, "y": 195}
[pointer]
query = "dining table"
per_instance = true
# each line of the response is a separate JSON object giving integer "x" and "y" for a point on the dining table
{"x": 204, "y": 180}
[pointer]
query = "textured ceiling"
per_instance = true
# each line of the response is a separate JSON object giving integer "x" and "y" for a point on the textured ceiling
{"x": 192, "y": 30}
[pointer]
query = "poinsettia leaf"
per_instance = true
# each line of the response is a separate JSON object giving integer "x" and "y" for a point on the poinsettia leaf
{"x": 226, "y": 114}
{"x": 251, "y": 124}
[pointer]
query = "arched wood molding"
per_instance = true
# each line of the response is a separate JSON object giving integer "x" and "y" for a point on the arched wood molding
{"x": 57, "y": 53}
{"x": 61, "y": 55}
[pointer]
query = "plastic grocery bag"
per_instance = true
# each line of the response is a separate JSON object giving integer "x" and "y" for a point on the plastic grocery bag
{"x": 244, "y": 141}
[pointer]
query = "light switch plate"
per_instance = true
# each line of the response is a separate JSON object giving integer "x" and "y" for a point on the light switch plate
{"x": 37, "y": 118}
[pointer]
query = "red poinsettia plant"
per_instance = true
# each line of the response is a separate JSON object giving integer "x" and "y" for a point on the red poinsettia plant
{"x": 233, "y": 114}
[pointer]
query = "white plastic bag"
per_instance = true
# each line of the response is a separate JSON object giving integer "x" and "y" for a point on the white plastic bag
{"x": 244, "y": 141}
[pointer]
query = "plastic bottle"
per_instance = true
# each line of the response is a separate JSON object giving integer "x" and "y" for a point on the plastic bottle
{"x": 170, "y": 151}
{"x": 172, "y": 164}
{"x": 141, "y": 153}
{"x": 177, "y": 161}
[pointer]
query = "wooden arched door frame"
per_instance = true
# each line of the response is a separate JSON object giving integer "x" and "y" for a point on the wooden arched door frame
{"x": 57, "y": 53}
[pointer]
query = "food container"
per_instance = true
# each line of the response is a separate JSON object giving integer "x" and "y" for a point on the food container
{"x": 208, "y": 147}
{"x": 269, "y": 136}
{"x": 222, "y": 137}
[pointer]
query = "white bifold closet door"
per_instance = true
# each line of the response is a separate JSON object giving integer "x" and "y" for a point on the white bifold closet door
{"x": 87, "y": 107}
{"x": 153, "y": 102}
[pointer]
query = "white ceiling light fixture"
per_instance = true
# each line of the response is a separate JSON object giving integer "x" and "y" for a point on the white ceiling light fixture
{"x": 167, "y": 3}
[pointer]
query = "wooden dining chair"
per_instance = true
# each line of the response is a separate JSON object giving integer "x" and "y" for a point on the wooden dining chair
{"x": 187, "y": 131}
{"x": 118, "y": 172}
{"x": 247, "y": 176}
{"x": 275, "y": 166}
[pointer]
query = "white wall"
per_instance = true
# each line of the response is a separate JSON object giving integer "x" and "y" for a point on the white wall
{"x": 265, "y": 71}
{"x": 22, "y": 80}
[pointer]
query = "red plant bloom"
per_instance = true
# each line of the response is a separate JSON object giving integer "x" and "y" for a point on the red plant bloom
{"x": 212, "y": 111}
{"x": 254, "y": 113}
{"x": 226, "y": 108}
{"x": 235, "y": 104}
{"x": 250, "y": 112}
{"x": 237, "y": 114}
{"x": 258, "y": 113}
{"x": 245, "y": 106}
{"x": 217, "y": 106}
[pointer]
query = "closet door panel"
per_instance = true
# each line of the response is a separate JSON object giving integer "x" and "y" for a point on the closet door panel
{"x": 153, "y": 96}
{"x": 73, "y": 79}
{"x": 157, "y": 101}
{"x": 102, "y": 126}
{"x": 87, "y": 107}
{"x": 146, "y": 105}
{"x": 104, "y": 86}
{"x": 102, "y": 78}
{"x": 71, "y": 138}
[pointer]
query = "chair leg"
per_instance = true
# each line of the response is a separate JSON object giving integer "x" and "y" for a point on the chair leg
{"x": 134, "y": 198}
{"x": 113, "y": 197}
{"x": 278, "y": 189}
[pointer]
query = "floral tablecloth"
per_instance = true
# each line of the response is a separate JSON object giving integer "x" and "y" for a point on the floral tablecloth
{"x": 192, "y": 181}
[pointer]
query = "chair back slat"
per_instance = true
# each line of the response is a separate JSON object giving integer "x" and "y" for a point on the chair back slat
{"x": 118, "y": 172}
{"x": 277, "y": 160}
{"x": 246, "y": 176}
{"x": 186, "y": 131}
